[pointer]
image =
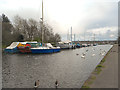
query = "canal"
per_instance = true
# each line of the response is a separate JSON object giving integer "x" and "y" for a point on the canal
{"x": 67, "y": 66}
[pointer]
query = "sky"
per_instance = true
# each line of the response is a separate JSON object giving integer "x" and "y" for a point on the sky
{"x": 89, "y": 19}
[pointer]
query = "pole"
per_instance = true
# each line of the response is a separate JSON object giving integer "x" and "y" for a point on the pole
{"x": 94, "y": 38}
{"x": 74, "y": 37}
{"x": 71, "y": 33}
{"x": 68, "y": 35}
{"x": 42, "y": 25}
{"x": 84, "y": 36}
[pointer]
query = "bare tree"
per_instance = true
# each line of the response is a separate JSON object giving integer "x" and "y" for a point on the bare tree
{"x": 31, "y": 30}
{"x": 27, "y": 28}
{"x": 57, "y": 37}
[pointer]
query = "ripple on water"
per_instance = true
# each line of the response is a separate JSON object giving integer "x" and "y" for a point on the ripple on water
{"x": 68, "y": 68}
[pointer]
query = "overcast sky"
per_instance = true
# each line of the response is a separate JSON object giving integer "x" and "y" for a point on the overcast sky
{"x": 87, "y": 17}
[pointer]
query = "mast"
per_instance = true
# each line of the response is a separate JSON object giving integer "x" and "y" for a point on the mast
{"x": 74, "y": 37}
{"x": 71, "y": 34}
{"x": 94, "y": 38}
{"x": 67, "y": 34}
{"x": 42, "y": 24}
{"x": 84, "y": 36}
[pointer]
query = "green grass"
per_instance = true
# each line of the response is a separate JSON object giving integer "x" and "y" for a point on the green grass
{"x": 93, "y": 77}
{"x": 102, "y": 61}
{"x": 98, "y": 70}
{"x": 103, "y": 66}
{"x": 85, "y": 86}
{"x": 98, "y": 66}
{"x": 90, "y": 82}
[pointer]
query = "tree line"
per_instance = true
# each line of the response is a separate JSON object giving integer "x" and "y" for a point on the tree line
{"x": 26, "y": 30}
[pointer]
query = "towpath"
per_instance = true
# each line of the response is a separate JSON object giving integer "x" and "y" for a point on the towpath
{"x": 108, "y": 78}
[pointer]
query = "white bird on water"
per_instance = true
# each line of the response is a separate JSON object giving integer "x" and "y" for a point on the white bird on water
{"x": 83, "y": 55}
{"x": 93, "y": 54}
{"x": 93, "y": 49}
{"x": 103, "y": 52}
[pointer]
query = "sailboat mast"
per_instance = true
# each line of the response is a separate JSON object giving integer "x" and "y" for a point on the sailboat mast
{"x": 71, "y": 33}
{"x": 42, "y": 24}
{"x": 94, "y": 38}
{"x": 84, "y": 36}
{"x": 42, "y": 9}
{"x": 74, "y": 37}
{"x": 68, "y": 35}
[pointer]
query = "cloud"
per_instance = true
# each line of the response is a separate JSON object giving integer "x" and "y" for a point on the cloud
{"x": 82, "y": 15}
{"x": 105, "y": 33}
{"x": 85, "y": 16}
{"x": 112, "y": 35}
{"x": 103, "y": 30}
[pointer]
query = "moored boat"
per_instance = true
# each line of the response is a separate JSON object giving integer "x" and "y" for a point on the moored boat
{"x": 24, "y": 47}
{"x": 78, "y": 45}
{"x": 48, "y": 48}
{"x": 12, "y": 48}
{"x": 31, "y": 47}
{"x": 66, "y": 45}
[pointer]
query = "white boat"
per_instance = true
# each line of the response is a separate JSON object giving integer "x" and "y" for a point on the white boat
{"x": 12, "y": 48}
{"x": 65, "y": 45}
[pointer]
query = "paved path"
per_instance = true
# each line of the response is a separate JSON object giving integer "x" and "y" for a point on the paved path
{"x": 108, "y": 78}
{"x": 0, "y": 67}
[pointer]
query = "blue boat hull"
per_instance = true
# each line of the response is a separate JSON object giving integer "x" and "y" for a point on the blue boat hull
{"x": 45, "y": 50}
{"x": 56, "y": 50}
{"x": 14, "y": 50}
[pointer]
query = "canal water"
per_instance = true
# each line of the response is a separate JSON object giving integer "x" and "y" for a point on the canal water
{"x": 67, "y": 66}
